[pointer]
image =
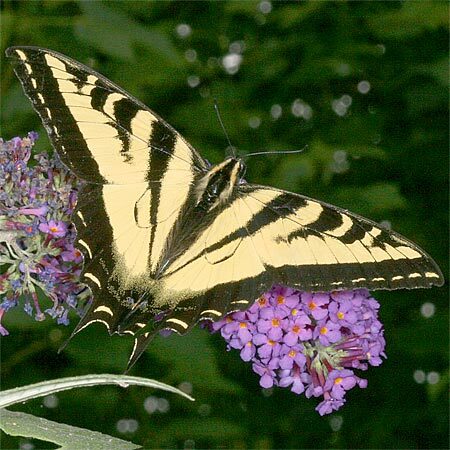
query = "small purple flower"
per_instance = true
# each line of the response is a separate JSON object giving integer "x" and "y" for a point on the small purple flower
{"x": 39, "y": 211}
{"x": 338, "y": 382}
{"x": 248, "y": 351}
{"x": 315, "y": 304}
{"x": 300, "y": 329}
{"x": 327, "y": 333}
{"x": 308, "y": 342}
{"x": 53, "y": 227}
{"x": 289, "y": 357}
{"x": 267, "y": 375}
{"x": 267, "y": 348}
{"x": 294, "y": 378}
{"x": 272, "y": 322}
{"x": 342, "y": 313}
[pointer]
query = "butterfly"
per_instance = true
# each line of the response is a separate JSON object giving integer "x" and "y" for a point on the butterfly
{"x": 169, "y": 237}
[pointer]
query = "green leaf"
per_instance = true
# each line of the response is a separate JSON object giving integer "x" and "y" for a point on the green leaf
{"x": 372, "y": 200}
{"x": 68, "y": 437}
{"x": 25, "y": 393}
{"x": 221, "y": 429}
{"x": 202, "y": 371}
{"x": 121, "y": 30}
{"x": 412, "y": 18}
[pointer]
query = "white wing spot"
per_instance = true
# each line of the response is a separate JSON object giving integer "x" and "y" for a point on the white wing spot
{"x": 104, "y": 309}
{"x": 92, "y": 321}
{"x": 431, "y": 275}
{"x": 379, "y": 279}
{"x": 93, "y": 278}
{"x": 80, "y": 215}
{"x": 398, "y": 277}
{"x": 21, "y": 55}
{"x": 86, "y": 246}
{"x": 212, "y": 311}
{"x": 178, "y": 322}
{"x": 414, "y": 275}
{"x": 357, "y": 280}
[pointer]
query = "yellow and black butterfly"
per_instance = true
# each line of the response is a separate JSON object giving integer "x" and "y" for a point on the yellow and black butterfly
{"x": 163, "y": 231}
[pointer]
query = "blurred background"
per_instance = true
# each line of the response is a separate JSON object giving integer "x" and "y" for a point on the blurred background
{"x": 365, "y": 86}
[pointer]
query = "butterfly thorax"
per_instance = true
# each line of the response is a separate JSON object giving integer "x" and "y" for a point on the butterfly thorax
{"x": 217, "y": 185}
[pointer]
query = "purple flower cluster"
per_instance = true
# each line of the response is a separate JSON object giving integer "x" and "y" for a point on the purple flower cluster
{"x": 37, "y": 252}
{"x": 309, "y": 342}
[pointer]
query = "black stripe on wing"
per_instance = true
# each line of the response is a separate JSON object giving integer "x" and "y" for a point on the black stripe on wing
{"x": 42, "y": 89}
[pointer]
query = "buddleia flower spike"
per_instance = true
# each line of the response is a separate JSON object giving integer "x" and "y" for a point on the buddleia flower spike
{"x": 37, "y": 252}
{"x": 310, "y": 343}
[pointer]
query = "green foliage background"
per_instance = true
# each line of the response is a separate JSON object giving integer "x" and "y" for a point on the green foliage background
{"x": 394, "y": 144}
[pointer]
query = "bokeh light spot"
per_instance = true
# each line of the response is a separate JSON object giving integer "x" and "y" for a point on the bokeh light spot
{"x": 428, "y": 309}
{"x": 363, "y": 87}
{"x": 183, "y": 30}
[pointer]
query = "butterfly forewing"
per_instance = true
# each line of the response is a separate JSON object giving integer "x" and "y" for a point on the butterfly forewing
{"x": 320, "y": 247}
{"x": 101, "y": 132}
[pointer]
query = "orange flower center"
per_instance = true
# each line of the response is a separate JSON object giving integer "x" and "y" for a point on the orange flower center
{"x": 53, "y": 229}
{"x": 324, "y": 330}
{"x": 262, "y": 301}
{"x": 296, "y": 329}
{"x": 271, "y": 343}
{"x": 292, "y": 353}
{"x": 280, "y": 299}
{"x": 242, "y": 325}
{"x": 312, "y": 305}
{"x": 275, "y": 322}
{"x": 338, "y": 380}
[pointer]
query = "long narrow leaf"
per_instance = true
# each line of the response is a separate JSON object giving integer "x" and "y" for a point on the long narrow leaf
{"x": 67, "y": 436}
{"x": 25, "y": 393}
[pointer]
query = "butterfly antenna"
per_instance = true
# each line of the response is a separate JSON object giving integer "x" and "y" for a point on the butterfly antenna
{"x": 278, "y": 152}
{"x": 230, "y": 145}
